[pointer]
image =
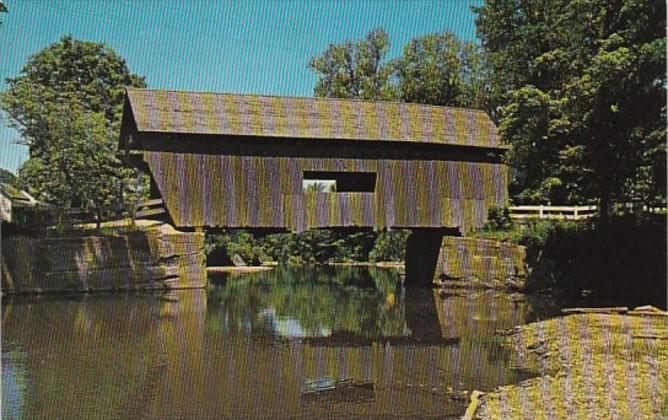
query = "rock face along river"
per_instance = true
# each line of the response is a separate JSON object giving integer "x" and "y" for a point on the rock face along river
{"x": 287, "y": 343}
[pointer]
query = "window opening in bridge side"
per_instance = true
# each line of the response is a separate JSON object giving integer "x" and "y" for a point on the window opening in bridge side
{"x": 318, "y": 181}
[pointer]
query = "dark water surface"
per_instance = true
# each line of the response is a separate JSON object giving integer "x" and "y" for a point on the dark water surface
{"x": 288, "y": 343}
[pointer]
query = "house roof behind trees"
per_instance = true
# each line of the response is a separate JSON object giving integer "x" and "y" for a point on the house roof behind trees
{"x": 223, "y": 114}
{"x": 16, "y": 195}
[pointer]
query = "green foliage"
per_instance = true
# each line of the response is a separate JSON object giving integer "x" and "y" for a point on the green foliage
{"x": 354, "y": 246}
{"x": 390, "y": 246}
{"x": 3, "y": 8}
{"x": 306, "y": 248}
{"x": 320, "y": 187}
{"x": 355, "y": 69}
{"x": 581, "y": 88}
{"x": 316, "y": 246}
{"x": 439, "y": 69}
{"x": 7, "y": 177}
{"x": 624, "y": 258}
{"x": 498, "y": 218}
{"x": 312, "y": 246}
{"x": 532, "y": 234}
{"x": 436, "y": 69}
{"x": 76, "y": 166}
{"x": 237, "y": 242}
{"x": 67, "y": 104}
{"x": 92, "y": 72}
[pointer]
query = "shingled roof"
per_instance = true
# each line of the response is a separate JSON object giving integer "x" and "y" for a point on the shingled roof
{"x": 159, "y": 111}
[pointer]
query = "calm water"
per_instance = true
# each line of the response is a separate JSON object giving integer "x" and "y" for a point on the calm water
{"x": 289, "y": 343}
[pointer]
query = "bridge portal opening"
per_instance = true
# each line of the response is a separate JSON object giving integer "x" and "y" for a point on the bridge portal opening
{"x": 327, "y": 181}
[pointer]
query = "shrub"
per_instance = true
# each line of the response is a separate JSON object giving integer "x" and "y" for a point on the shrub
{"x": 498, "y": 218}
{"x": 221, "y": 247}
{"x": 623, "y": 260}
{"x": 315, "y": 246}
{"x": 390, "y": 246}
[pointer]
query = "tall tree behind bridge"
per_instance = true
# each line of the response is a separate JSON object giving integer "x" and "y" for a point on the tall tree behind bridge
{"x": 440, "y": 69}
{"x": 355, "y": 69}
{"x": 436, "y": 69}
{"x": 582, "y": 90}
{"x": 66, "y": 104}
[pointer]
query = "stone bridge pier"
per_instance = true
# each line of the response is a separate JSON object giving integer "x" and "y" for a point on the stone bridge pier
{"x": 422, "y": 250}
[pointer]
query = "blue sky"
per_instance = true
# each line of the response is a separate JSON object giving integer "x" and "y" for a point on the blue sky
{"x": 237, "y": 46}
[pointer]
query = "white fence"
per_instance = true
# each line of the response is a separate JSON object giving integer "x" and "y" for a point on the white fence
{"x": 575, "y": 212}
{"x": 552, "y": 212}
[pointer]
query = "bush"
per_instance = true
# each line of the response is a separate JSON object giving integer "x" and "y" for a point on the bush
{"x": 317, "y": 246}
{"x": 221, "y": 247}
{"x": 309, "y": 247}
{"x": 623, "y": 260}
{"x": 390, "y": 246}
{"x": 498, "y": 218}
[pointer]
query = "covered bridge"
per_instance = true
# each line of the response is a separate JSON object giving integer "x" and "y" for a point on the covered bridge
{"x": 242, "y": 161}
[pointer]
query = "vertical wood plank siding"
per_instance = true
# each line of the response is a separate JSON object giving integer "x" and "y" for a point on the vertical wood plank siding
{"x": 204, "y": 185}
{"x": 253, "y": 191}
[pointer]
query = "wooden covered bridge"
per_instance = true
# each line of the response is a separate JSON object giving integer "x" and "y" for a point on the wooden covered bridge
{"x": 242, "y": 161}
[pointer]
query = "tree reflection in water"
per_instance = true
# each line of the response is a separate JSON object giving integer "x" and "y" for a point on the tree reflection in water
{"x": 309, "y": 342}
{"x": 307, "y": 302}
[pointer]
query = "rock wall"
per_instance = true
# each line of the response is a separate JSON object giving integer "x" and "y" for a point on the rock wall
{"x": 156, "y": 257}
{"x": 481, "y": 261}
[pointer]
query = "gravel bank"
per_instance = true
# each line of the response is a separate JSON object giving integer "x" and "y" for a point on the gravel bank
{"x": 591, "y": 366}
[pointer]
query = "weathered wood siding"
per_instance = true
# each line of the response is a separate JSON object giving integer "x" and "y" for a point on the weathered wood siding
{"x": 262, "y": 191}
{"x": 237, "y": 161}
{"x": 208, "y": 113}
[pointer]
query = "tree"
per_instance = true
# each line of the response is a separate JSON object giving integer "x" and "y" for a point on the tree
{"x": 390, "y": 246}
{"x": 319, "y": 186}
{"x": 7, "y": 177}
{"x": 77, "y": 165}
{"x": 582, "y": 89}
{"x": 437, "y": 69}
{"x": 355, "y": 69}
{"x": 3, "y": 9}
{"x": 440, "y": 69}
{"x": 67, "y": 104}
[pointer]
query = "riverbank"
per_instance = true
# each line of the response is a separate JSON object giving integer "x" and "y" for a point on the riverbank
{"x": 622, "y": 261}
{"x": 145, "y": 256}
{"x": 231, "y": 269}
{"x": 240, "y": 270}
{"x": 591, "y": 366}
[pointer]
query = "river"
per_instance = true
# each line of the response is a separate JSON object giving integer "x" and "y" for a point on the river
{"x": 288, "y": 343}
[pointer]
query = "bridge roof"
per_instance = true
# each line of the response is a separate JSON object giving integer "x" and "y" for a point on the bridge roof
{"x": 224, "y": 114}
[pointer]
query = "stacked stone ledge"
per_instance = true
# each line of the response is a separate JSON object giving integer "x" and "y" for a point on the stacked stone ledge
{"x": 484, "y": 262}
{"x": 156, "y": 257}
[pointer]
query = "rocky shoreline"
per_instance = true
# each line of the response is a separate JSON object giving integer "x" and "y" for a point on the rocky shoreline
{"x": 590, "y": 365}
{"x": 146, "y": 257}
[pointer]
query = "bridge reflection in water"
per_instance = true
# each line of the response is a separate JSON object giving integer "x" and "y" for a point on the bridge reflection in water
{"x": 286, "y": 343}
